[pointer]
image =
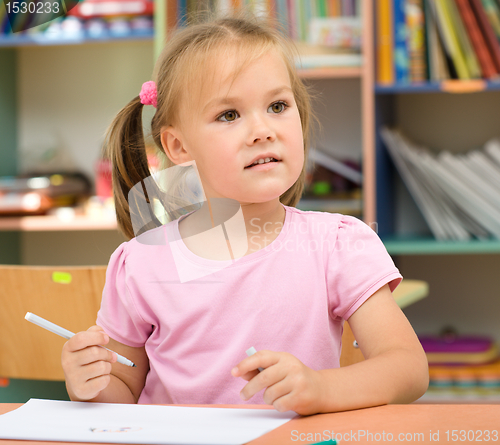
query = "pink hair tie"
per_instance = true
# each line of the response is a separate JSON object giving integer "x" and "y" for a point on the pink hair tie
{"x": 148, "y": 93}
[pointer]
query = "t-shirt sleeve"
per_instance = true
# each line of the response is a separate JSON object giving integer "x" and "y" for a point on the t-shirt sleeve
{"x": 118, "y": 315}
{"x": 358, "y": 266}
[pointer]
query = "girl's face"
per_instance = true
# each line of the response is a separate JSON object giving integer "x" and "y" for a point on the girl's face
{"x": 234, "y": 125}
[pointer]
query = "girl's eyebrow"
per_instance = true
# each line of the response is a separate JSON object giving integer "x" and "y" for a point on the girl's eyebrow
{"x": 230, "y": 100}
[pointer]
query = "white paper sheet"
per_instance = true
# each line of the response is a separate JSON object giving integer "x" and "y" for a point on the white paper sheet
{"x": 55, "y": 420}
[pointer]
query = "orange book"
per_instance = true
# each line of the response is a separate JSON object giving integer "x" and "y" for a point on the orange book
{"x": 385, "y": 42}
{"x": 477, "y": 39}
{"x": 335, "y": 8}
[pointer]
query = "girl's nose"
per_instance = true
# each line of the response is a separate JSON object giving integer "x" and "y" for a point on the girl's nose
{"x": 261, "y": 130}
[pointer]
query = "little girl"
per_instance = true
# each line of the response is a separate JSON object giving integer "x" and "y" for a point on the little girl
{"x": 229, "y": 101}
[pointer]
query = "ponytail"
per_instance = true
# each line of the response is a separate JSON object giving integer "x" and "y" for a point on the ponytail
{"x": 124, "y": 146}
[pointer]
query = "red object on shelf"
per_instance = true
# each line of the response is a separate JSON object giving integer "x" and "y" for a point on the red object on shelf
{"x": 103, "y": 181}
{"x": 110, "y": 8}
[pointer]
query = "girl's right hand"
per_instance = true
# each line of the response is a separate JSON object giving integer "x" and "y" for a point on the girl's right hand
{"x": 87, "y": 366}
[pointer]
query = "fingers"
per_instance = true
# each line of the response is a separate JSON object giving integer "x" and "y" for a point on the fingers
{"x": 261, "y": 359}
{"x": 93, "y": 336}
{"x": 92, "y": 354}
{"x": 288, "y": 383}
{"x": 265, "y": 379}
{"x": 249, "y": 375}
{"x": 274, "y": 394}
{"x": 87, "y": 365}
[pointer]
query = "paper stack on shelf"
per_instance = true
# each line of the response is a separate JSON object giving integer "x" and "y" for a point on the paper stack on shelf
{"x": 458, "y": 194}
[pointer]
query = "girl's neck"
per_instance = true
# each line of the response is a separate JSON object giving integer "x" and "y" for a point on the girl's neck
{"x": 263, "y": 223}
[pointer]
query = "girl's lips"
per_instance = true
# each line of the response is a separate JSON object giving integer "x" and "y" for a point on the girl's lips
{"x": 263, "y": 167}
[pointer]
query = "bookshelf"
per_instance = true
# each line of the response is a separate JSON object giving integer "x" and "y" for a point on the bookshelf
{"x": 456, "y": 116}
{"x": 453, "y": 91}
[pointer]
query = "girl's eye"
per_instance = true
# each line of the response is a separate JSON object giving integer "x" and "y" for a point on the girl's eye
{"x": 279, "y": 107}
{"x": 230, "y": 115}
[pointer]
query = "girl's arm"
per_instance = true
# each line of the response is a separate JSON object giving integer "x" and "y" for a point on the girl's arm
{"x": 395, "y": 369}
{"x": 92, "y": 373}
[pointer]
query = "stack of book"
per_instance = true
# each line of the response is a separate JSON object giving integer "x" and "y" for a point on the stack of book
{"x": 461, "y": 367}
{"x": 434, "y": 40}
{"x": 458, "y": 194}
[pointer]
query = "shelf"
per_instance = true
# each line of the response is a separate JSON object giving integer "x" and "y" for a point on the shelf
{"x": 430, "y": 246}
{"x": 448, "y": 86}
{"x": 53, "y": 223}
{"x": 42, "y": 40}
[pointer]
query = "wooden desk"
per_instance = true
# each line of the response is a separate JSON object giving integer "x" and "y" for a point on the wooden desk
{"x": 415, "y": 423}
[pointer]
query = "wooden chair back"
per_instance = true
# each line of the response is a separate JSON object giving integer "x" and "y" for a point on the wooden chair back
{"x": 67, "y": 296}
{"x": 349, "y": 354}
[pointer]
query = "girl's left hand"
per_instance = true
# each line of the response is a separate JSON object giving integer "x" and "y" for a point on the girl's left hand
{"x": 290, "y": 385}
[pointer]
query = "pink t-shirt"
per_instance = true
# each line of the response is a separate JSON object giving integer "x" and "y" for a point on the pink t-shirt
{"x": 292, "y": 295}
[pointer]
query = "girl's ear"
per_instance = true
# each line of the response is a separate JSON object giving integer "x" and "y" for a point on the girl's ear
{"x": 171, "y": 141}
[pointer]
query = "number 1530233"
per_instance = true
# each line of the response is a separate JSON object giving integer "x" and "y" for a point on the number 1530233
{"x": 33, "y": 7}
{"x": 472, "y": 435}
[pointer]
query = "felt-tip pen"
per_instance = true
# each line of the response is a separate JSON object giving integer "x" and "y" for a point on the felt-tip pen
{"x": 39, "y": 321}
{"x": 251, "y": 351}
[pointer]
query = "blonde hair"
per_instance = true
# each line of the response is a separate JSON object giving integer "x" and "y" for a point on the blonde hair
{"x": 189, "y": 52}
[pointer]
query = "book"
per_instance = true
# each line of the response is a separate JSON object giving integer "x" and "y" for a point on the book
{"x": 415, "y": 184}
{"x": 477, "y": 39}
{"x": 469, "y": 349}
{"x": 488, "y": 32}
{"x": 385, "y": 44}
{"x": 401, "y": 59}
{"x": 437, "y": 65}
{"x": 444, "y": 38}
{"x": 466, "y": 197}
{"x": 464, "y": 41}
{"x": 492, "y": 148}
{"x": 493, "y": 14}
{"x": 415, "y": 22}
{"x": 450, "y": 38}
{"x": 458, "y": 194}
